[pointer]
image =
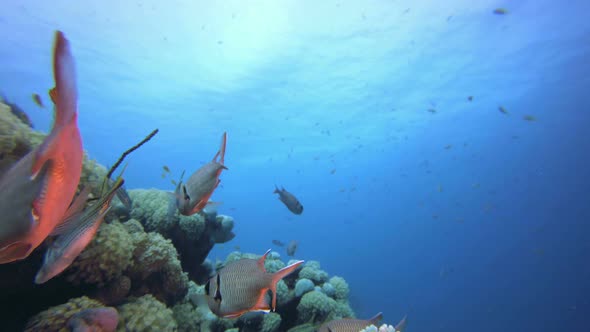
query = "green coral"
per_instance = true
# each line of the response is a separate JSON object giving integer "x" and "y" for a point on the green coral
{"x": 312, "y": 271}
{"x": 151, "y": 208}
{"x": 315, "y": 307}
{"x": 192, "y": 226}
{"x": 342, "y": 310}
{"x": 271, "y": 322}
{"x": 146, "y": 314}
{"x": 186, "y": 317}
{"x": 106, "y": 257}
{"x": 156, "y": 265}
{"x": 16, "y": 138}
{"x": 56, "y": 318}
{"x": 341, "y": 289}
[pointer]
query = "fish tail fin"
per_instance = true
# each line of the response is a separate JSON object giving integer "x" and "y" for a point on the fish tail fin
{"x": 65, "y": 93}
{"x": 376, "y": 319}
{"x": 277, "y": 190}
{"x": 221, "y": 152}
{"x": 277, "y": 276}
{"x": 402, "y": 324}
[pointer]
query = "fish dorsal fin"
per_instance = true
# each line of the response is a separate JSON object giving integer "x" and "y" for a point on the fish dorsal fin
{"x": 221, "y": 152}
{"x": 261, "y": 260}
{"x": 402, "y": 324}
{"x": 376, "y": 319}
{"x": 75, "y": 209}
{"x": 65, "y": 95}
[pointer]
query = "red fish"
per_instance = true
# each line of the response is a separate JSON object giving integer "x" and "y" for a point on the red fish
{"x": 47, "y": 177}
{"x": 104, "y": 319}
{"x": 193, "y": 196}
{"x": 243, "y": 285}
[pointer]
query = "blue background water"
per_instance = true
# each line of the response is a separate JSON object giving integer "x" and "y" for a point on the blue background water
{"x": 489, "y": 234}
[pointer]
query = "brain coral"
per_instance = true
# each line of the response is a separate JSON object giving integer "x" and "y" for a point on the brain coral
{"x": 105, "y": 258}
{"x": 146, "y": 314}
{"x": 56, "y": 318}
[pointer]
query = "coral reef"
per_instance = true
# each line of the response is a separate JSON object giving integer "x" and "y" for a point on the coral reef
{"x": 146, "y": 313}
{"x": 149, "y": 262}
{"x": 382, "y": 328}
{"x": 56, "y": 318}
{"x": 193, "y": 236}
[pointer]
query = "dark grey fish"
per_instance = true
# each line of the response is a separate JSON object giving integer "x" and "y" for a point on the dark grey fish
{"x": 104, "y": 319}
{"x": 290, "y": 201}
{"x": 278, "y": 243}
{"x": 292, "y": 248}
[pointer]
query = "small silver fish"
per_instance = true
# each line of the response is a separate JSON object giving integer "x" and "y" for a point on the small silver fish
{"x": 77, "y": 233}
{"x": 242, "y": 286}
{"x": 290, "y": 201}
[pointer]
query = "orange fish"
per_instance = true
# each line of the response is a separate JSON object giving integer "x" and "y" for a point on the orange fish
{"x": 242, "y": 286}
{"x": 193, "y": 196}
{"x": 38, "y": 189}
{"x": 37, "y": 100}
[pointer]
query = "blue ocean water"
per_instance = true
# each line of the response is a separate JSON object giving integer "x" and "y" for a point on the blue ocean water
{"x": 464, "y": 218}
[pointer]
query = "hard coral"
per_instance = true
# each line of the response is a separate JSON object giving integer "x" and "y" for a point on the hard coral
{"x": 56, "y": 318}
{"x": 146, "y": 314}
{"x": 107, "y": 256}
{"x": 341, "y": 289}
{"x": 151, "y": 208}
{"x": 315, "y": 307}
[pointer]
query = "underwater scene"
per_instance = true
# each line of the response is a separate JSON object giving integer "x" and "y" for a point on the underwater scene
{"x": 295, "y": 165}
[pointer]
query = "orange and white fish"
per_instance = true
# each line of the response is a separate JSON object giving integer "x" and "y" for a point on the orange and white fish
{"x": 38, "y": 189}
{"x": 242, "y": 286}
{"x": 193, "y": 196}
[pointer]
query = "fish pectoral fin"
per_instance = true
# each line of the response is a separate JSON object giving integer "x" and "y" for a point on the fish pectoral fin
{"x": 14, "y": 252}
{"x": 263, "y": 302}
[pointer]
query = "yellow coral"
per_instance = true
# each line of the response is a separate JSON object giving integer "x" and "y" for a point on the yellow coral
{"x": 105, "y": 258}
{"x": 146, "y": 314}
{"x": 56, "y": 318}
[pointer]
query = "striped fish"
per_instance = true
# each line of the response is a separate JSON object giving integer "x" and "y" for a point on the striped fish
{"x": 77, "y": 233}
{"x": 350, "y": 324}
{"x": 242, "y": 286}
{"x": 355, "y": 325}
